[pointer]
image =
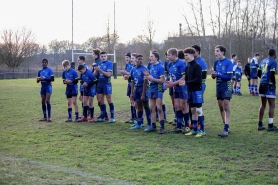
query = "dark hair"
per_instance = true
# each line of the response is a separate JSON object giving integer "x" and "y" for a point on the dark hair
{"x": 180, "y": 54}
{"x": 165, "y": 53}
{"x": 103, "y": 52}
{"x": 80, "y": 67}
{"x": 139, "y": 56}
{"x": 128, "y": 54}
{"x": 257, "y": 54}
{"x": 233, "y": 55}
{"x": 189, "y": 50}
{"x": 271, "y": 52}
{"x": 156, "y": 55}
{"x": 96, "y": 51}
{"x": 45, "y": 60}
{"x": 81, "y": 57}
{"x": 222, "y": 48}
{"x": 197, "y": 48}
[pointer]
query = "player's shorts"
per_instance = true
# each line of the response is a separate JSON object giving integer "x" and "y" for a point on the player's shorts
{"x": 184, "y": 91}
{"x": 128, "y": 90}
{"x": 204, "y": 87}
{"x": 154, "y": 95}
{"x": 253, "y": 76}
{"x": 137, "y": 94}
{"x": 171, "y": 91}
{"x": 195, "y": 97}
{"x": 71, "y": 90}
{"x": 267, "y": 90}
{"x": 224, "y": 95}
{"x": 104, "y": 89}
{"x": 248, "y": 78}
{"x": 178, "y": 92}
{"x": 238, "y": 78}
{"x": 46, "y": 89}
{"x": 81, "y": 92}
{"x": 90, "y": 91}
{"x": 233, "y": 79}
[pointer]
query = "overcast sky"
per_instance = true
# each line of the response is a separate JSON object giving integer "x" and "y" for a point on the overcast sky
{"x": 52, "y": 19}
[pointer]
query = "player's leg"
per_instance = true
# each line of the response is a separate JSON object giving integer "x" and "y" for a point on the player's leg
{"x": 159, "y": 105}
{"x": 194, "y": 120}
{"x": 249, "y": 85}
{"x": 111, "y": 106}
{"x": 239, "y": 87}
{"x": 43, "y": 97}
{"x": 271, "y": 103}
{"x": 252, "y": 87}
{"x": 152, "y": 126}
{"x": 75, "y": 104}
{"x": 164, "y": 110}
{"x": 91, "y": 103}
{"x": 85, "y": 106}
{"x": 48, "y": 105}
{"x": 185, "y": 114}
{"x": 102, "y": 107}
{"x": 81, "y": 100}
{"x": 69, "y": 100}
{"x": 177, "y": 102}
{"x": 139, "y": 110}
{"x": 226, "y": 116}
{"x": 256, "y": 86}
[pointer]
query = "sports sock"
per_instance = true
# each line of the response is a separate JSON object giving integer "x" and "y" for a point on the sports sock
{"x": 256, "y": 89}
{"x": 179, "y": 118}
{"x": 105, "y": 112}
{"x": 76, "y": 115}
{"x": 238, "y": 87}
{"x": 131, "y": 112}
{"x": 161, "y": 124}
{"x": 195, "y": 125}
{"x": 186, "y": 119}
{"x": 140, "y": 117}
{"x": 154, "y": 125}
{"x": 156, "y": 113}
{"x": 111, "y": 106}
{"x": 48, "y": 109}
{"x": 201, "y": 120}
{"x": 92, "y": 110}
{"x": 249, "y": 86}
{"x": 134, "y": 112}
{"x": 85, "y": 111}
{"x": 44, "y": 110}
{"x": 260, "y": 123}
{"x": 69, "y": 113}
{"x": 147, "y": 111}
{"x": 102, "y": 110}
{"x": 164, "y": 111}
{"x": 226, "y": 127}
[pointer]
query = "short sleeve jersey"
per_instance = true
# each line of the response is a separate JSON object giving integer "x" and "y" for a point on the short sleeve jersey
{"x": 223, "y": 67}
{"x": 106, "y": 66}
{"x": 254, "y": 67}
{"x": 177, "y": 70}
{"x": 137, "y": 75}
{"x": 238, "y": 70}
{"x": 81, "y": 87}
{"x": 46, "y": 73}
{"x": 88, "y": 76}
{"x": 266, "y": 66}
{"x": 128, "y": 68}
{"x": 156, "y": 71}
{"x": 71, "y": 74}
{"x": 203, "y": 64}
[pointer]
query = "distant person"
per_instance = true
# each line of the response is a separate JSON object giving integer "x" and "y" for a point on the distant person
{"x": 70, "y": 78}
{"x": 247, "y": 73}
{"x": 254, "y": 64}
{"x": 223, "y": 73}
{"x": 237, "y": 69}
{"x": 81, "y": 61}
{"x": 233, "y": 60}
{"x": 267, "y": 89}
{"x": 88, "y": 81}
{"x": 103, "y": 73}
{"x": 45, "y": 76}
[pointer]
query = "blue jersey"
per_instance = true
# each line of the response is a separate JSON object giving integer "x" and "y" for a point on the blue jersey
{"x": 203, "y": 64}
{"x": 224, "y": 70}
{"x": 254, "y": 67}
{"x": 128, "y": 68}
{"x": 81, "y": 87}
{"x": 46, "y": 73}
{"x": 71, "y": 74}
{"x": 137, "y": 75}
{"x": 177, "y": 70}
{"x": 106, "y": 66}
{"x": 150, "y": 64}
{"x": 238, "y": 70}
{"x": 266, "y": 66}
{"x": 156, "y": 71}
{"x": 88, "y": 76}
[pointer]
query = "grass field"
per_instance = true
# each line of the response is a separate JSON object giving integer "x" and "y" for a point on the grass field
{"x": 100, "y": 153}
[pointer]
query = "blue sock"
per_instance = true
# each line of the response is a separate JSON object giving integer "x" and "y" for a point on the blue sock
{"x": 201, "y": 120}
{"x": 249, "y": 86}
{"x": 156, "y": 113}
{"x": 48, "y": 109}
{"x": 164, "y": 111}
{"x": 186, "y": 119}
{"x": 226, "y": 127}
{"x": 105, "y": 112}
{"x": 154, "y": 125}
{"x": 82, "y": 109}
{"x": 70, "y": 112}
{"x": 256, "y": 89}
{"x": 238, "y": 89}
{"x": 132, "y": 112}
{"x": 235, "y": 89}
{"x": 195, "y": 125}
{"x": 76, "y": 115}
{"x": 111, "y": 106}
{"x": 148, "y": 115}
{"x": 140, "y": 117}
{"x": 92, "y": 110}
{"x": 85, "y": 108}
{"x": 252, "y": 88}
{"x": 44, "y": 110}
{"x": 161, "y": 124}
{"x": 179, "y": 118}
{"x": 102, "y": 110}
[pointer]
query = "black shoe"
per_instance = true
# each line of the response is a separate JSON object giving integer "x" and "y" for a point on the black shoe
{"x": 68, "y": 120}
{"x": 130, "y": 121}
{"x": 273, "y": 128}
{"x": 161, "y": 131}
{"x": 261, "y": 127}
{"x": 176, "y": 130}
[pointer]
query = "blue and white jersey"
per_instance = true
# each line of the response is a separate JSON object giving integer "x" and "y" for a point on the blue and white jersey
{"x": 237, "y": 70}
{"x": 106, "y": 66}
{"x": 46, "y": 73}
{"x": 137, "y": 75}
{"x": 203, "y": 64}
{"x": 156, "y": 71}
{"x": 177, "y": 70}
{"x": 266, "y": 66}
{"x": 254, "y": 67}
{"x": 150, "y": 64}
{"x": 224, "y": 70}
{"x": 71, "y": 74}
{"x": 81, "y": 87}
{"x": 88, "y": 76}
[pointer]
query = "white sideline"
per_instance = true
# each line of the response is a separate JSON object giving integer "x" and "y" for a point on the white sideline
{"x": 67, "y": 170}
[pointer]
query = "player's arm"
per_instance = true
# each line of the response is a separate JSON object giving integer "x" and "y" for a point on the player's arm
{"x": 229, "y": 73}
{"x": 213, "y": 71}
{"x": 51, "y": 79}
{"x": 204, "y": 74}
{"x": 38, "y": 78}
{"x": 145, "y": 84}
{"x": 93, "y": 80}
{"x": 272, "y": 73}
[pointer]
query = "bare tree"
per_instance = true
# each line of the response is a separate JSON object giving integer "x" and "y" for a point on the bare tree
{"x": 17, "y": 46}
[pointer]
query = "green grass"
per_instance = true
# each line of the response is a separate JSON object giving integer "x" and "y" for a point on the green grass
{"x": 100, "y": 153}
